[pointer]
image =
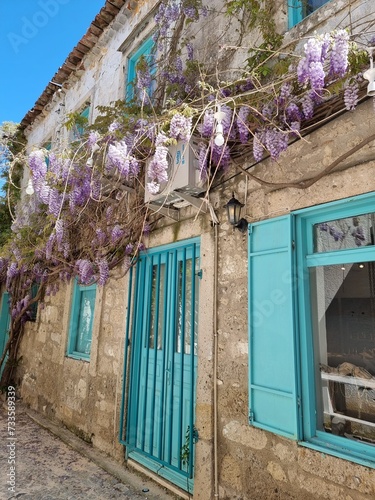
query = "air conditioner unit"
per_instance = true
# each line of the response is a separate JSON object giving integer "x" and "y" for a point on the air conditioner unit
{"x": 183, "y": 175}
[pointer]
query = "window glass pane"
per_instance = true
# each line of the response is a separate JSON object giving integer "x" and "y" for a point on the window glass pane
{"x": 351, "y": 232}
{"x": 86, "y": 317}
{"x": 343, "y": 312}
{"x": 184, "y": 309}
{"x": 157, "y": 309}
{"x": 312, "y": 5}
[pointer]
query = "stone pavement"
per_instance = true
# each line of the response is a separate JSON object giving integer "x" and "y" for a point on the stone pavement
{"x": 46, "y": 468}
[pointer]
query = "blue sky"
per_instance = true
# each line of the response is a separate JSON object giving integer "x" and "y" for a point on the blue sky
{"x": 36, "y": 36}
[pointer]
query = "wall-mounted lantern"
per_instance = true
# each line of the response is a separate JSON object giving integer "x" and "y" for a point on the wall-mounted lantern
{"x": 234, "y": 214}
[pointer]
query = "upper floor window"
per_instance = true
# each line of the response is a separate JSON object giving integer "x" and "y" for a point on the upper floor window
{"x": 81, "y": 321}
{"x": 299, "y": 9}
{"x": 140, "y": 82}
{"x": 79, "y": 122}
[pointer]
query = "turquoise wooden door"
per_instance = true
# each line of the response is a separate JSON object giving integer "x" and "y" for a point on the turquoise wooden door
{"x": 4, "y": 325}
{"x": 161, "y": 404}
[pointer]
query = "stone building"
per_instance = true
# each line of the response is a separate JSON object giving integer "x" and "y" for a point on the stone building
{"x": 226, "y": 364}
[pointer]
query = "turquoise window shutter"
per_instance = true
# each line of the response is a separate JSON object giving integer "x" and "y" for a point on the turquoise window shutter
{"x": 145, "y": 50}
{"x": 85, "y": 113}
{"x": 272, "y": 344}
{"x": 295, "y": 14}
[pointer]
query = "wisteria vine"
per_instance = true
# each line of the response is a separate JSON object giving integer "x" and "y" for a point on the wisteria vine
{"x": 87, "y": 217}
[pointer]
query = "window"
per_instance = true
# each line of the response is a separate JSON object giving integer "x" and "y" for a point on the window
{"x": 80, "y": 122}
{"x": 47, "y": 146}
{"x": 314, "y": 324}
{"x": 4, "y": 326}
{"x": 142, "y": 61}
{"x": 81, "y": 321}
{"x": 299, "y": 9}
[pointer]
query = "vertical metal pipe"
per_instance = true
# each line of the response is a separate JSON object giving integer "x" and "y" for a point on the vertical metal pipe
{"x": 127, "y": 328}
{"x": 192, "y": 367}
{"x": 215, "y": 367}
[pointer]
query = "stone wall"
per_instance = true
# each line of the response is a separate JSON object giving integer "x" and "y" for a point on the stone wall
{"x": 255, "y": 464}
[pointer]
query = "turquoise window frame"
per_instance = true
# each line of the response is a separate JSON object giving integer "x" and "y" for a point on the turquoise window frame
{"x": 147, "y": 48}
{"x": 5, "y": 318}
{"x": 79, "y": 294}
{"x": 306, "y": 259}
{"x": 295, "y": 12}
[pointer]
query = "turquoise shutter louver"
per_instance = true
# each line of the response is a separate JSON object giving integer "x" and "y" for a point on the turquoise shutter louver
{"x": 272, "y": 344}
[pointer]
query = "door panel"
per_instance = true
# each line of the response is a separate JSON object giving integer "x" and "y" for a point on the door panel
{"x": 161, "y": 405}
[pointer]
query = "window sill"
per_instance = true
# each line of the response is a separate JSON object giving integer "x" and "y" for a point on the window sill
{"x": 339, "y": 452}
{"x": 78, "y": 356}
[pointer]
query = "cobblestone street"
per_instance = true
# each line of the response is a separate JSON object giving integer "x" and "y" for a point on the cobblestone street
{"x": 46, "y": 468}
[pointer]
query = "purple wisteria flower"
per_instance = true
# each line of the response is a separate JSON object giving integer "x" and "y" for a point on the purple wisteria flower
{"x": 285, "y": 91}
{"x": 190, "y": 51}
{"x": 191, "y": 12}
{"x": 85, "y": 271}
{"x": 208, "y": 125}
{"x": 227, "y": 122}
{"x": 339, "y": 53}
{"x": 351, "y": 96}
{"x": 113, "y": 127}
{"x": 307, "y": 104}
{"x": 268, "y": 110}
{"x": 37, "y": 164}
{"x": 101, "y": 236}
{"x": 119, "y": 157}
{"x": 117, "y": 233}
{"x": 180, "y": 127}
{"x": 144, "y": 78}
{"x": 103, "y": 269}
{"x": 129, "y": 249}
{"x": 167, "y": 14}
{"x": 220, "y": 156}
{"x": 243, "y": 129}
{"x": 80, "y": 190}
{"x": 93, "y": 140}
{"x": 49, "y": 246}
{"x": 55, "y": 202}
{"x": 258, "y": 146}
{"x": 158, "y": 166}
{"x": 310, "y": 68}
{"x": 276, "y": 142}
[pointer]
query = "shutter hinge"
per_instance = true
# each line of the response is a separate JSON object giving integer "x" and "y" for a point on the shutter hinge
{"x": 195, "y": 435}
{"x": 293, "y": 244}
{"x": 199, "y": 273}
{"x": 250, "y": 227}
{"x": 251, "y": 417}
